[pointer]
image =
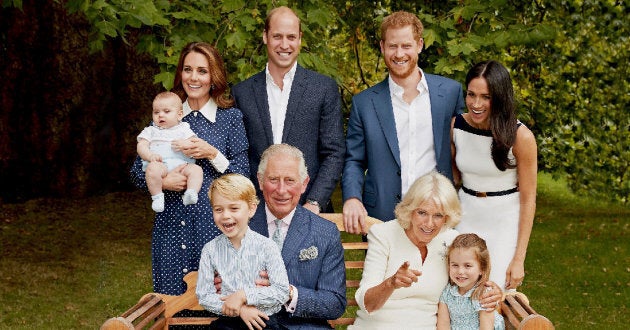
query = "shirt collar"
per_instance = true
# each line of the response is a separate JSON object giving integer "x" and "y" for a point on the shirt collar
{"x": 209, "y": 110}
{"x": 398, "y": 90}
{"x": 454, "y": 289}
{"x": 287, "y": 76}
{"x": 271, "y": 217}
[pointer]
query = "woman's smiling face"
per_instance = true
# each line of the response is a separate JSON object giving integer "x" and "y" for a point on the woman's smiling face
{"x": 426, "y": 222}
{"x": 196, "y": 77}
{"x": 479, "y": 102}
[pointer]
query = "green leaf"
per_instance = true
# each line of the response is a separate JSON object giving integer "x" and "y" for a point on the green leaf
{"x": 236, "y": 39}
{"x": 231, "y": 5}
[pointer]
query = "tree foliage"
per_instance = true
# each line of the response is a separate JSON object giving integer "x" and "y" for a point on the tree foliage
{"x": 567, "y": 58}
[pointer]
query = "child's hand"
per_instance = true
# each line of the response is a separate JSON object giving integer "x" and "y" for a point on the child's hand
{"x": 253, "y": 318}
{"x": 233, "y": 303}
{"x": 155, "y": 158}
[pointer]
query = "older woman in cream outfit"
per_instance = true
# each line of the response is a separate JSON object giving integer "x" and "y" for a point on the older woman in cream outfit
{"x": 405, "y": 267}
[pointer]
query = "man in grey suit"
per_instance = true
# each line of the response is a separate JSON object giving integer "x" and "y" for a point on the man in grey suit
{"x": 399, "y": 129}
{"x": 311, "y": 246}
{"x": 286, "y": 103}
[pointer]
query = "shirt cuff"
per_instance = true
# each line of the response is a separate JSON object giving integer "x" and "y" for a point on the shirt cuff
{"x": 290, "y": 305}
{"x": 220, "y": 163}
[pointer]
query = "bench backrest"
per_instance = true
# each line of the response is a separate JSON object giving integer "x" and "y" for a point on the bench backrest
{"x": 354, "y": 256}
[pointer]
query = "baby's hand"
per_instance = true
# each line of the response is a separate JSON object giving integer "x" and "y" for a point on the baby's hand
{"x": 155, "y": 158}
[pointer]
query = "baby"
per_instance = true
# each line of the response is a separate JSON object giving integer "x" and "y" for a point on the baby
{"x": 159, "y": 158}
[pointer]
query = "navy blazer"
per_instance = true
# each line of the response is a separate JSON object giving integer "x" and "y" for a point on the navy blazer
{"x": 372, "y": 165}
{"x": 313, "y": 124}
{"x": 321, "y": 281}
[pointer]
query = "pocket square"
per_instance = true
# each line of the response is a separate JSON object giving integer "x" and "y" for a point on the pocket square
{"x": 308, "y": 254}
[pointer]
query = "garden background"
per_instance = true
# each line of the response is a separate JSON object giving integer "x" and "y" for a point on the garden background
{"x": 79, "y": 77}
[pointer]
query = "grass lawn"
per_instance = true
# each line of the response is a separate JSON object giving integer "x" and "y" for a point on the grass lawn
{"x": 71, "y": 264}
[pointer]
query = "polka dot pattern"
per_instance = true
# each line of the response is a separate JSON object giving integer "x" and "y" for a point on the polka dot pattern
{"x": 180, "y": 232}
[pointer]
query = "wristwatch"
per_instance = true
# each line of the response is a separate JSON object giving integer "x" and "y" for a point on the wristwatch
{"x": 313, "y": 202}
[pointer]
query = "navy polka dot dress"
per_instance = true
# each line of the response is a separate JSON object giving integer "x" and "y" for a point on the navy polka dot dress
{"x": 180, "y": 232}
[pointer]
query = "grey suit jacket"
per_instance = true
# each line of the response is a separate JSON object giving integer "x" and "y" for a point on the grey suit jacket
{"x": 372, "y": 165}
{"x": 313, "y": 124}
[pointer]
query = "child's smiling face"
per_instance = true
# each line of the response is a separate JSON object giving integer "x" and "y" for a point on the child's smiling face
{"x": 232, "y": 216}
{"x": 464, "y": 268}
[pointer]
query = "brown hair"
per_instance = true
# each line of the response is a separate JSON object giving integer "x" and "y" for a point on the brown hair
{"x": 478, "y": 245}
{"x": 401, "y": 19}
{"x": 218, "y": 74}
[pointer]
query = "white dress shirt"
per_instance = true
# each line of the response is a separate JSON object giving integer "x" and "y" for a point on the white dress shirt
{"x": 278, "y": 100}
{"x": 414, "y": 129}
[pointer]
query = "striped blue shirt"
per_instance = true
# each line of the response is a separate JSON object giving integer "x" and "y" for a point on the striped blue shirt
{"x": 239, "y": 269}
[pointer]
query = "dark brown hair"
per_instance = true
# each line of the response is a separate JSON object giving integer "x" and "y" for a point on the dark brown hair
{"x": 218, "y": 74}
{"x": 503, "y": 124}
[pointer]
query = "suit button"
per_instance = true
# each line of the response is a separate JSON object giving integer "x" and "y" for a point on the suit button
{"x": 398, "y": 197}
{"x": 398, "y": 172}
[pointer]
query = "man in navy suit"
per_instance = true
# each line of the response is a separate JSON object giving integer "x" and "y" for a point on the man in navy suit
{"x": 399, "y": 129}
{"x": 286, "y": 103}
{"x": 311, "y": 246}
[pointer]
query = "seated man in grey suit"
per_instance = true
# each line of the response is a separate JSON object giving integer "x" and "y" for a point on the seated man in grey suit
{"x": 311, "y": 246}
{"x": 286, "y": 103}
{"x": 399, "y": 129}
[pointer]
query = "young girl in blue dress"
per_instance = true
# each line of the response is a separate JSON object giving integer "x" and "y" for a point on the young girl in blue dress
{"x": 468, "y": 263}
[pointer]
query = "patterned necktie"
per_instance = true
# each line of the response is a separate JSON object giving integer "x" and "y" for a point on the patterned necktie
{"x": 277, "y": 235}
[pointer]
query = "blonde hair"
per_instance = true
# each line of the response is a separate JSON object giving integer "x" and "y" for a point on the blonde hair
{"x": 401, "y": 19}
{"x": 478, "y": 246}
{"x": 283, "y": 149}
{"x": 234, "y": 186}
{"x": 164, "y": 96}
{"x": 433, "y": 186}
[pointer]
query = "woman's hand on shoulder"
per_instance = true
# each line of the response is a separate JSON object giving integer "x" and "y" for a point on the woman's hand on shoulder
{"x": 491, "y": 297}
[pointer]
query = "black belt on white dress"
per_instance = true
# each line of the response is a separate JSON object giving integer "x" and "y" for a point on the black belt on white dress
{"x": 489, "y": 193}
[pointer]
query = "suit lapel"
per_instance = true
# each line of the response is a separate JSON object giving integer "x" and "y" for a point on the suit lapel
{"x": 259, "y": 89}
{"x": 298, "y": 230}
{"x": 298, "y": 87}
{"x": 436, "y": 96}
{"x": 258, "y": 223}
{"x": 385, "y": 113}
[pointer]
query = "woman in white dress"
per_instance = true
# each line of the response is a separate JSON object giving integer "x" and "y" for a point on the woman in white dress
{"x": 495, "y": 162}
{"x": 405, "y": 267}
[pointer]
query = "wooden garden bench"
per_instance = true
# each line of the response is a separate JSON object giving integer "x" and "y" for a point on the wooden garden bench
{"x": 159, "y": 311}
